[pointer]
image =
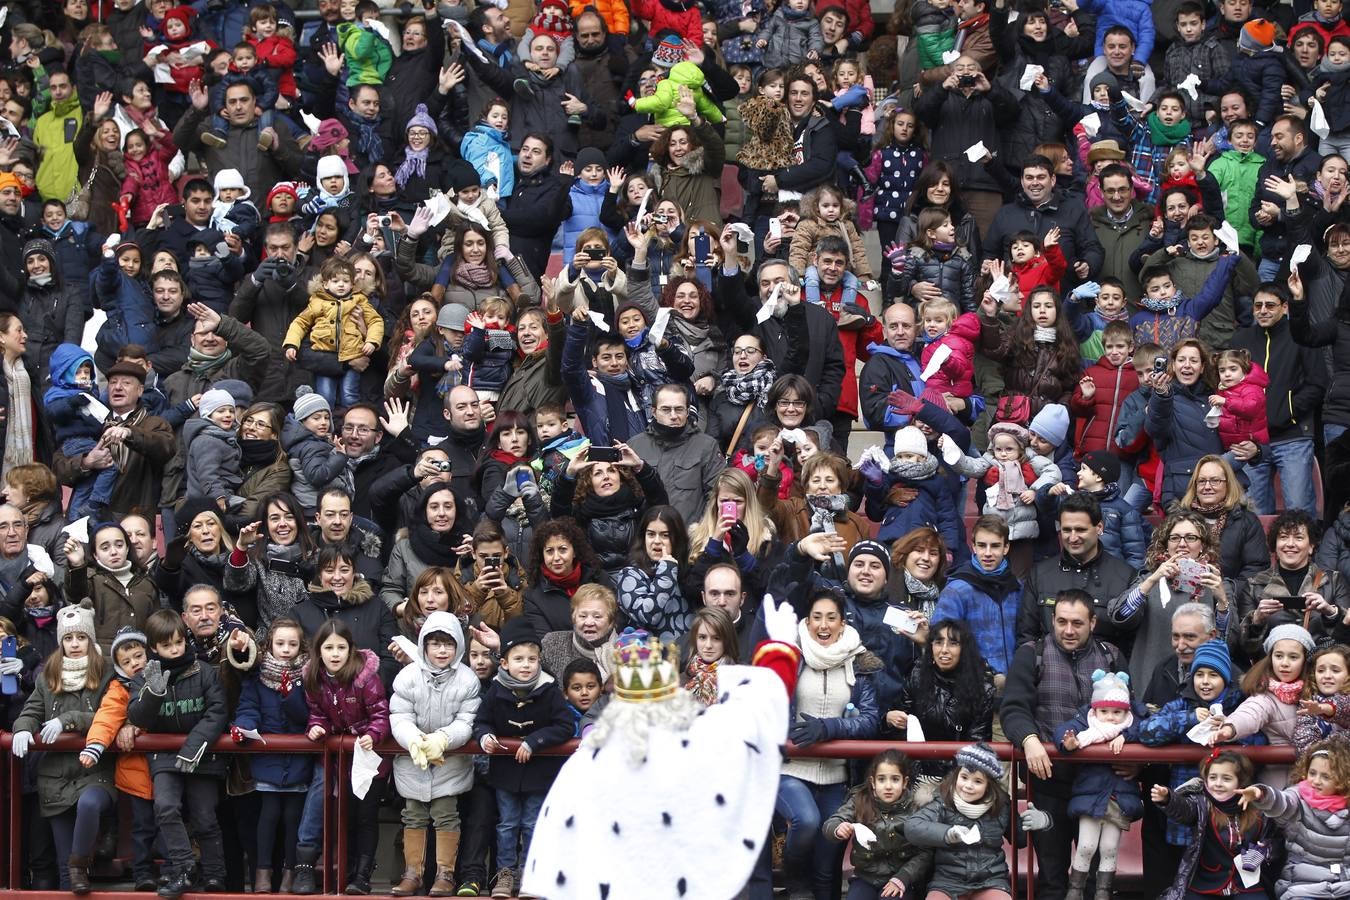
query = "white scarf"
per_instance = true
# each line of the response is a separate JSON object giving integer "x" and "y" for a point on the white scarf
{"x": 74, "y": 673}
{"x": 1045, "y": 335}
{"x": 971, "y": 810}
{"x": 822, "y": 658}
{"x": 19, "y": 417}
{"x": 1099, "y": 732}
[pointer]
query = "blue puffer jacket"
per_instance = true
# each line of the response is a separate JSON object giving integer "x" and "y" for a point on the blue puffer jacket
{"x": 1094, "y": 785}
{"x": 490, "y": 353}
{"x": 933, "y": 506}
{"x": 1125, "y": 534}
{"x": 130, "y": 311}
{"x": 478, "y": 148}
{"x": 989, "y": 604}
{"x": 1136, "y": 15}
{"x": 66, "y": 402}
{"x": 263, "y": 709}
{"x": 586, "y": 202}
{"x": 1176, "y": 423}
{"x": 77, "y": 249}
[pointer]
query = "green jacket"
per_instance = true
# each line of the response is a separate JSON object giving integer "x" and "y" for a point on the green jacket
{"x": 661, "y": 104}
{"x": 1189, "y": 275}
{"x": 1237, "y": 175}
{"x": 60, "y": 777}
{"x": 54, "y": 131}
{"x": 369, "y": 56}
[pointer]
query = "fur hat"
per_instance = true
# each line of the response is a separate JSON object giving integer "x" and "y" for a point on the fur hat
{"x": 1289, "y": 632}
{"x": 308, "y": 402}
{"x": 76, "y": 620}
{"x": 213, "y": 400}
{"x": 1012, "y": 430}
{"x": 980, "y": 758}
{"x": 1051, "y": 423}
{"x": 1110, "y": 690}
{"x": 230, "y": 178}
{"x": 669, "y": 52}
{"x": 911, "y": 440}
{"x": 516, "y": 632}
{"x": 871, "y": 548}
{"x": 1213, "y": 655}
{"x": 421, "y": 117}
{"x": 1105, "y": 150}
{"x": 331, "y": 167}
{"x": 1104, "y": 464}
{"x": 1257, "y": 36}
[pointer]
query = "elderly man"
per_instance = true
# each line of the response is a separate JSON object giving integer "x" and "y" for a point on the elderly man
{"x": 1049, "y": 681}
{"x": 1192, "y": 625}
{"x": 687, "y": 460}
{"x": 18, "y": 558}
{"x": 218, "y": 636}
{"x": 268, "y": 300}
{"x": 893, "y": 366}
{"x": 138, "y": 444}
{"x": 263, "y": 156}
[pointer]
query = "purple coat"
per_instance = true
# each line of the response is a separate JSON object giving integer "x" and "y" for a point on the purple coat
{"x": 359, "y": 708}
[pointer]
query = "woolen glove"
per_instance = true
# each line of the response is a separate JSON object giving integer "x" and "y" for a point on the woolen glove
{"x": 1034, "y": 819}
{"x": 10, "y": 665}
{"x": 873, "y": 465}
{"x": 417, "y": 750}
{"x": 156, "y": 679}
{"x": 740, "y": 538}
{"x": 267, "y": 269}
{"x": 435, "y": 745}
{"x": 51, "y": 730}
{"x": 904, "y": 402}
{"x": 809, "y": 730}
{"x": 1255, "y": 855}
{"x": 1086, "y": 291}
{"x": 22, "y": 741}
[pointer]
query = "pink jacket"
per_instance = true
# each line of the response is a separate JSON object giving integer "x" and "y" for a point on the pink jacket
{"x": 148, "y": 179}
{"x": 956, "y": 375}
{"x": 1243, "y": 416}
{"x": 1263, "y": 713}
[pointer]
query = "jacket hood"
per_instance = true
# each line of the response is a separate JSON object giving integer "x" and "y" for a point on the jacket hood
{"x": 966, "y": 326}
{"x": 66, "y": 359}
{"x": 440, "y": 620}
{"x": 687, "y": 74}
{"x": 325, "y": 599}
{"x": 293, "y": 434}
{"x": 888, "y": 350}
{"x": 1256, "y": 376}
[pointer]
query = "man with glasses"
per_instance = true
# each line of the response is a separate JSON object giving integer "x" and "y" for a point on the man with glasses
{"x": 375, "y": 445}
{"x": 19, "y": 559}
{"x": 222, "y": 349}
{"x": 1122, "y": 222}
{"x": 687, "y": 460}
{"x": 1298, "y": 384}
{"x": 268, "y": 300}
{"x": 893, "y": 365}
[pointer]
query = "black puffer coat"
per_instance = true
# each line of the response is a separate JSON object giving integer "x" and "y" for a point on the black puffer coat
{"x": 195, "y": 706}
{"x": 935, "y": 705}
{"x": 610, "y": 521}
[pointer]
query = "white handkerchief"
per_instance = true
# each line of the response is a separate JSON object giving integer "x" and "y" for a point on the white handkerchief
{"x": 1300, "y": 255}
{"x": 766, "y": 311}
{"x": 863, "y": 835}
{"x": 1189, "y": 84}
{"x": 950, "y": 452}
{"x": 439, "y": 207}
{"x": 1317, "y": 120}
{"x": 311, "y": 122}
{"x": 598, "y": 320}
{"x": 4, "y": 14}
{"x": 1164, "y": 593}
{"x": 940, "y": 356}
{"x": 365, "y": 766}
{"x": 977, "y": 152}
{"x": 743, "y": 232}
{"x": 79, "y": 530}
{"x": 467, "y": 42}
{"x": 1200, "y": 733}
{"x": 1092, "y": 123}
{"x": 1013, "y": 16}
{"x": 1132, "y": 101}
{"x": 914, "y": 730}
{"x": 407, "y": 646}
{"x": 971, "y": 834}
{"x": 252, "y": 734}
{"x": 1228, "y": 234}
{"x": 901, "y": 619}
{"x": 1002, "y": 289}
{"x": 950, "y": 56}
{"x": 642, "y": 207}
{"x": 1029, "y": 76}
{"x": 96, "y": 409}
{"x": 658, "y": 329}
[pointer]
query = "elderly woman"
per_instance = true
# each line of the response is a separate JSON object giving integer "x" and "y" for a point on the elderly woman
{"x": 436, "y": 537}
{"x": 1215, "y": 495}
{"x": 591, "y": 635}
{"x": 1183, "y": 558}
{"x": 836, "y": 673}
{"x": 1293, "y": 590}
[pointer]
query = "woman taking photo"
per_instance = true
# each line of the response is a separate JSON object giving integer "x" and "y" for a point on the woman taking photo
{"x": 536, "y": 377}
{"x": 649, "y": 587}
{"x": 1176, "y": 418}
{"x": 607, "y": 499}
{"x": 273, "y": 558}
{"x": 561, "y": 561}
{"x": 745, "y": 537}
{"x": 1215, "y": 495}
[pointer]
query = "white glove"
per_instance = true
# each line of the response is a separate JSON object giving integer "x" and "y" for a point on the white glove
{"x": 22, "y": 741}
{"x": 108, "y": 245}
{"x": 51, "y": 730}
{"x": 780, "y": 621}
{"x": 11, "y": 665}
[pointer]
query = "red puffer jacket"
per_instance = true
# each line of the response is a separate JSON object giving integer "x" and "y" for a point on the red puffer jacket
{"x": 1097, "y": 416}
{"x": 359, "y": 708}
{"x": 278, "y": 52}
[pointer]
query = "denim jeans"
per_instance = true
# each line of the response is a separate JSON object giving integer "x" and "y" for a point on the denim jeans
{"x": 1331, "y": 432}
{"x": 344, "y": 391}
{"x": 1294, "y": 461}
{"x": 805, "y": 806}
{"x": 311, "y": 818}
{"x": 1268, "y": 269}
{"x": 811, "y": 282}
{"x": 516, "y": 814}
{"x": 193, "y": 796}
{"x": 92, "y": 492}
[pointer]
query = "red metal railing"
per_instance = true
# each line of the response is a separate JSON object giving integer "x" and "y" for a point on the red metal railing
{"x": 337, "y": 751}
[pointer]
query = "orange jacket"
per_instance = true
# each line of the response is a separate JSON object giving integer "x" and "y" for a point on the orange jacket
{"x": 614, "y": 12}
{"x": 133, "y": 771}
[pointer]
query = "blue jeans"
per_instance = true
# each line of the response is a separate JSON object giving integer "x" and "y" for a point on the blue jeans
{"x": 1268, "y": 269}
{"x": 92, "y": 492}
{"x": 75, "y": 831}
{"x": 516, "y": 814}
{"x": 1294, "y": 460}
{"x": 221, "y": 128}
{"x": 1331, "y": 432}
{"x": 339, "y": 392}
{"x": 811, "y": 281}
{"x": 805, "y": 806}
{"x": 311, "y": 817}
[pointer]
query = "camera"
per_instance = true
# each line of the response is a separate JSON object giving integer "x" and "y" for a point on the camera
{"x": 283, "y": 268}
{"x": 965, "y": 81}
{"x": 659, "y": 218}
{"x": 1159, "y": 364}
{"x": 595, "y": 252}
{"x": 385, "y": 221}
{"x": 442, "y": 465}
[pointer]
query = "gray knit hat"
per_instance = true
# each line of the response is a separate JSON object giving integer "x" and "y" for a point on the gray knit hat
{"x": 128, "y": 634}
{"x": 980, "y": 758}
{"x": 78, "y": 619}
{"x": 307, "y": 403}
{"x": 1289, "y": 632}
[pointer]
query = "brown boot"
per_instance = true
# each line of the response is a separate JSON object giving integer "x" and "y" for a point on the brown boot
{"x": 287, "y": 881}
{"x": 414, "y": 860}
{"x": 78, "y": 869}
{"x": 447, "y": 850}
{"x": 262, "y": 881}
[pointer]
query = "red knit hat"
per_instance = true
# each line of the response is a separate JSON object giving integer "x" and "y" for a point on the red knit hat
{"x": 183, "y": 14}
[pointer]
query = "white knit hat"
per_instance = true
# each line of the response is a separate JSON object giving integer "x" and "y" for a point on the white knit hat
{"x": 213, "y": 400}
{"x": 230, "y": 178}
{"x": 910, "y": 440}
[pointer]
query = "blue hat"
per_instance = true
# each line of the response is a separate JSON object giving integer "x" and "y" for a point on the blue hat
{"x": 1213, "y": 655}
{"x": 1051, "y": 423}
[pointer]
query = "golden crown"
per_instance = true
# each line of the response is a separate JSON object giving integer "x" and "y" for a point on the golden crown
{"x": 645, "y": 669}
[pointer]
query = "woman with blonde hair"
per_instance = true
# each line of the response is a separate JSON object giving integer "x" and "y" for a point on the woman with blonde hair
{"x": 735, "y": 527}
{"x": 1215, "y": 494}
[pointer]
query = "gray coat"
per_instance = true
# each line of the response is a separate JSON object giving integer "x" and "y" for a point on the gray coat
{"x": 400, "y": 572}
{"x": 213, "y": 460}
{"x": 687, "y": 467}
{"x": 960, "y": 869}
{"x": 1318, "y": 844}
{"x": 789, "y": 39}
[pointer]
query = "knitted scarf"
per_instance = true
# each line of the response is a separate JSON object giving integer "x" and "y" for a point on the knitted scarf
{"x": 1043, "y": 335}
{"x": 19, "y": 416}
{"x": 1215, "y": 516}
{"x": 74, "y": 673}
{"x": 1099, "y": 732}
{"x": 567, "y": 583}
{"x": 202, "y": 364}
{"x": 1287, "y": 692}
{"x": 518, "y": 687}
{"x": 473, "y": 275}
{"x": 915, "y": 471}
{"x": 1158, "y": 305}
{"x": 591, "y": 650}
{"x": 258, "y": 453}
{"x": 31, "y": 511}
{"x": 822, "y": 658}
{"x": 750, "y": 387}
{"x": 414, "y": 163}
{"x": 1332, "y": 803}
{"x": 702, "y": 682}
{"x": 1011, "y": 483}
{"x": 971, "y": 810}
{"x": 282, "y": 677}
{"x": 41, "y": 615}
{"x": 1167, "y": 135}
{"x": 367, "y": 141}
{"x": 923, "y": 592}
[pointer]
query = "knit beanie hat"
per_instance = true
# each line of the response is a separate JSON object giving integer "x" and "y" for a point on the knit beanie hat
{"x": 554, "y": 17}
{"x": 871, "y": 548}
{"x": 9, "y": 179}
{"x": 230, "y": 178}
{"x": 213, "y": 400}
{"x": 1012, "y": 429}
{"x": 1104, "y": 77}
{"x": 461, "y": 174}
{"x": 1051, "y": 423}
{"x": 307, "y": 403}
{"x": 452, "y": 316}
{"x": 516, "y": 632}
{"x": 910, "y": 440}
{"x": 421, "y": 117}
{"x": 183, "y": 14}
{"x": 980, "y": 758}
{"x": 669, "y": 52}
{"x": 1110, "y": 690}
{"x": 1213, "y": 655}
{"x": 1105, "y": 465}
{"x": 76, "y": 620}
{"x": 589, "y": 156}
{"x": 1289, "y": 632}
{"x": 128, "y": 634}
{"x": 282, "y": 187}
{"x": 40, "y": 247}
{"x": 1257, "y": 36}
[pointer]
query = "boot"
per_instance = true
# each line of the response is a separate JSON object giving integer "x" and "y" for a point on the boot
{"x": 359, "y": 883}
{"x": 287, "y": 881}
{"x": 306, "y": 856}
{"x": 1076, "y": 881}
{"x": 447, "y": 849}
{"x": 414, "y": 858}
{"x": 504, "y": 885}
{"x": 262, "y": 881}
{"x": 78, "y": 867}
{"x": 1104, "y": 880}
{"x": 176, "y": 885}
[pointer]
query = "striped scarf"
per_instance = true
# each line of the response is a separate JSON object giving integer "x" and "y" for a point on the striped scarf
{"x": 19, "y": 417}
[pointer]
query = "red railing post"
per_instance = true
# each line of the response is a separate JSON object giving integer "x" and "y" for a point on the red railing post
{"x": 340, "y": 785}
{"x": 326, "y": 843}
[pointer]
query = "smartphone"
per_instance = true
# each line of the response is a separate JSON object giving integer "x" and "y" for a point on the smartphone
{"x": 775, "y": 228}
{"x": 1293, "y": 604}
{"x": 604, "y": 454}
{"x": 492, "y": 562}
{"x": 522, "y": 479}
{"x": 9, "y": 647}
{"x": 727, "y": 509}
{"x": 702, "y": 248}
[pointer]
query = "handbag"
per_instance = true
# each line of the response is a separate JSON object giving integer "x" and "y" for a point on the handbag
{"x": 1014, "y": 408}
{"x": 77, "y": 204}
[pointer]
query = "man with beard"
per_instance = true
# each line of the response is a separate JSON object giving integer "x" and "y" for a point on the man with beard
{"x": 374, "y": 447}
{"x": 466, "y": 431}
{"x": 687, "y": 460}
{"x": 602, "y": 70}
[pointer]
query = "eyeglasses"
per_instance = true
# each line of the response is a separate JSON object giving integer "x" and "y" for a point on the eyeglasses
{"x": 360, "y": 430}
{"x": 1183, "y": 538}
{"x": 791, "y": 404}
{"x": 1211, "y": 482}
{"x": 672, "y": 410}
{"x": 745, "y": 351}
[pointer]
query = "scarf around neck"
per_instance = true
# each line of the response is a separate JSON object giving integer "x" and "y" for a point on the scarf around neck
{"x": 971, "y": 810}
{"x": 750, "y": 387}
{"x": 1044, "y": 335}
{"x": 414, "y": 164}
{"x": 1011, "y": 483}
{"x": 19, "y": 414}
{"x": 567, "y": 583}
{"x": 822, "y": 658}
{"x": 702, "y": 681}
{"x": 1164, "y": 135}
{"x": 1287, "y": 692}
{"x": 74, "y": 673}
{"x": 591, "y": 650}
{"x": 473, "y": 275}
{"x": 1332, "y": 803}
{"x": 202, "y": 365}
{"x": 522, "y": 688}
{"x": 282, "y": 677}
{"x": 1159, "y": 305}
{"x": 922, "y": 591}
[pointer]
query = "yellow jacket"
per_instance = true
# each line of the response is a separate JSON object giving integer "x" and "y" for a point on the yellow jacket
{"x": 320, "y": 321}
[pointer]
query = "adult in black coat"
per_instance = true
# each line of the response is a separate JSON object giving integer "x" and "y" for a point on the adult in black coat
{"x": 375, "y": 446}
{"x": 1290, "y": 157}
{"x": 413, "y": 75}
{"x": 538, "y": 205}
{"x": 1040, "y": 207}
{"x": 338, "y": 592}
{"x": 268, "y": 299}
{"x": 608, "y": 502}
{"x": 198, "y": 554}
{"x": 561, "y": 560}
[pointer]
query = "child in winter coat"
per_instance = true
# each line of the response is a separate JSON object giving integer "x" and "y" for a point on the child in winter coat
{"x": 896, "y": 162}
{"x": 148, "y": 182}
{"x": 1227, "y": 837}
{"x": 826, "y": 211}
{"x": 122, "y": 593}
{"x": 365, "y": 47}
{"x": 934, "y": 30}
{"x": 888, "y": 860}
{"x": 768, "y": 131}
{"x": 72, "y": 796}
{"x": 1103, "y": 389}
{"x": 431, "y": 712}
{"x": 680, "y": 17}
{"x": 935, "y": 257}
{"x": 922, "y": 498}
{"x": 1104, "y": 802}
{"x": 489, "y": 351}
{"x": 244, "y": 69}
{"x": 1037, "y": 263}
{"x": 1238, "y": 173}
{"x": 315, "y": 462}
{"x": 132, "y": 775}
{"x": 558, "y": 444}
{"x": 791, "y": 36}
{"x": 662, "y": 104}
{"x": 1333, "y": 92}
{"x": 1328, "y": 711}
{"x": 971, "y": 802}
{"x": 213, "y": 269}
{"x": 274, "y": 45}
{"x": 487, "y": 148}
{"x": 1109, "y": 307}
{"x": 1125, "y": 534}
{"x": 231, "y": 211}
{"x": 581, "y": 686}
{"x": 651, "y": 367}
{"x": 335, "y": 191}
{"x": 78, "y": 430}
{"x": 1010, "y": 474}
{"x": 214, "y": 457}
{"x": 587, "y": 195}
{"x": 183, "y": 695}
{"x": 1167, "y": 316}
{"x": 1256, "y": 68}
{"x": 942, "y": 327}
{"x": 345, "y": 697}
{"x": 273, "y": 702}
{"x": 341, "y": 321}
{"x": 178, "y": 41}
{"x": 1241, "y": 399}
{"x": 521, "y": 702}
{"x": 753, "y": 461}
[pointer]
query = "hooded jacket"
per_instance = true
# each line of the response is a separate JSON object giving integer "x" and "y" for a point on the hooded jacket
{"x": 1238, "y": 175}
{"x": 426, "y": 699}
{"x": 54, "y": 132}
{"x": 67, "y": 403}
{"x": 52, "y": 313}
{"x": 213, "y": 460}
{"x": 488, "y": 150}
{"x": 332, "y": 325}
{"x": 1243, "y": 416}
{"x": 695, "y": 183}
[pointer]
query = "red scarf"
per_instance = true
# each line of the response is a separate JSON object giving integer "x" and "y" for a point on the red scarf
{"x": 506, "y": 459}
{"x": 1287, "y": 692}
{"x": 1332, "y": 803}
{"x": 569, "y": 582}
